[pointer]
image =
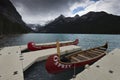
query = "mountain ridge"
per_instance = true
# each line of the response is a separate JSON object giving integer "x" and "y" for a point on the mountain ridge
{"x": 10, "y": 20}
{"x": 91, "y": 23}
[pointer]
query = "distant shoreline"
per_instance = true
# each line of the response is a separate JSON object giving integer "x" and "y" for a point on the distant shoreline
{"x": 77, "y": 33}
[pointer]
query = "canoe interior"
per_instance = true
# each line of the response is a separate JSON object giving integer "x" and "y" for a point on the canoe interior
{"x": 80, "y": 56}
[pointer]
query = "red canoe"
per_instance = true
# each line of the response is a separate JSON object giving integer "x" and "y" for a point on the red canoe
{"x": 54, "y": 64}
{"x": 32, "y": 47}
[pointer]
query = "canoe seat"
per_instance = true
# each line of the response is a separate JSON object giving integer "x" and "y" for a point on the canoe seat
{"x": 97, "y": 52}
{"x": 100, "y": 50}
{"x": 83, "y": 56}
{"x": 76, "y": 59}
{"x": 89, "y": 54}
{"x": 73, "y": 53}
{"x": 92, "y": 53}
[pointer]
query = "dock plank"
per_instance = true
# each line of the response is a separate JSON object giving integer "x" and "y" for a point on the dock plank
{"x": 10, "y": 64}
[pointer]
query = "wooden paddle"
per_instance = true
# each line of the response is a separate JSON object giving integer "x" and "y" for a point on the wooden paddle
{"x": 58, "y": 48}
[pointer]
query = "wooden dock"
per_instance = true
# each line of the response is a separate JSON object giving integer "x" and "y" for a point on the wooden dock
{"x": 13, "y": 63}
{"x": 107, "y": 68}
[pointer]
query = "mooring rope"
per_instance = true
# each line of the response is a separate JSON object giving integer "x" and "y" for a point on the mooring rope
{"x": 74, "y": 74}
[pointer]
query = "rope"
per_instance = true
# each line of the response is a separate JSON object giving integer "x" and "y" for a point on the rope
{"x": 74, "y": 75}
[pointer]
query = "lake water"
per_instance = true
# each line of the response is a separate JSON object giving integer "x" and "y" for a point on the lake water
{"x": 37, "y": 71}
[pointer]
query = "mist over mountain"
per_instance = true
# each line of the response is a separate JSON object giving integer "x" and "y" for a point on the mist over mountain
{"x": 92, "y": 22}
{"x": 10, "y": 20}
{"x": 35, "y": 27}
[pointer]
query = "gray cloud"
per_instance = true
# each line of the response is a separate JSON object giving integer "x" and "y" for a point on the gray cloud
{"x": 39, "y": 11}
{"x": 43, "y": 7}
{"x": 31, "y": 9}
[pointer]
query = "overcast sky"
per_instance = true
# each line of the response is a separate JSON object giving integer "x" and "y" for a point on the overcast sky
{"x": 41, "y": 11}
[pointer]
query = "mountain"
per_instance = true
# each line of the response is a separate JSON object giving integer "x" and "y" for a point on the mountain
{"x": 35, "y": 27}
{"x": 10, "y": 20}
{"x": 92, "y": 23}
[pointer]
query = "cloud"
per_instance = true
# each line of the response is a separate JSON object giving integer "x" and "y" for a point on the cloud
{"x": 41, "y": 11}
{"x": 109, "y": 6}
{"x": 78, "y": 9}
{"x": 81, "y": 6}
